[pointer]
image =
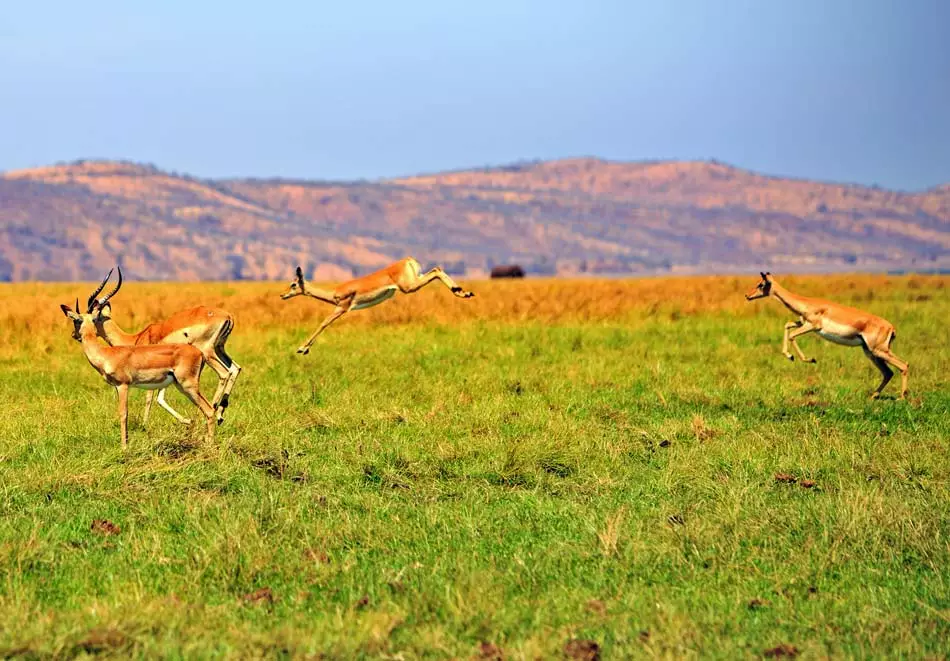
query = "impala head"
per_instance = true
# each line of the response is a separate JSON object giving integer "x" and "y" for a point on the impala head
{"x": 82, "y": 322}
{"x": 763, "y": 289}
{"x": 297, "y": 286}
{"x": 97, "y": 310}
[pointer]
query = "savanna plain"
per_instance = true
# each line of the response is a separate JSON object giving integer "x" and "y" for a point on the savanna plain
{"x": 632, "y": 463}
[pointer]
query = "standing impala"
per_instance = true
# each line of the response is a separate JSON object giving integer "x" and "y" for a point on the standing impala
{"x": 148, "y": 366}
{"x": 205, "y": 328}
{"x": 405, "y": 276}
{"x": 838, "y": 324}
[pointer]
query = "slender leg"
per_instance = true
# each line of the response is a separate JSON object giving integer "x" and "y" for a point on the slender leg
{"x": 190, "y": 390}
{"x": 794, "y": 335}
{"x": 904, "y": 368}
{"x": 886, "y": 372}
{"x": 413, "y": 282}
{"x": 788, "y": 327}
{"x": 123, "y": 391}
{"x": 165, "y": 405}
{"x": 336, "y": 314}
{"x": 149, "y": 396}
{"x": 235, "y": 371}
{"x": 219, "y": 367}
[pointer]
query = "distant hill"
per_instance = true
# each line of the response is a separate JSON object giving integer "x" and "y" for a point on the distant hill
{"x": 566, "y": 217}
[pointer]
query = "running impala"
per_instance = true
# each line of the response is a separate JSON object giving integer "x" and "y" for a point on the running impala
{"x": 205, "y": 328}
{"x": 365, "y": 292}
{"x": 148, "y": 366}
{"x": 836, "y": 323}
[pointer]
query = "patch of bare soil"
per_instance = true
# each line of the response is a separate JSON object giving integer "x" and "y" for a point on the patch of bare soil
{"x": 582, "y": 650}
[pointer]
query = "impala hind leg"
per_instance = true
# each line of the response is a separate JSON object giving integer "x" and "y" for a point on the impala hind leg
{"x": 234, "y": 371}
{"x": 412, "y": 280}
{"x": 165, "y": 405}
{"x": 215, "y": 363}
{"x": 803, "y": 329}
{"x": 886, "y": 373}
{"x": 336, "y": 314}
{"x": 886, "y": 356}
{"x": 149, "y": 396}
{"x": 123, "y": 391}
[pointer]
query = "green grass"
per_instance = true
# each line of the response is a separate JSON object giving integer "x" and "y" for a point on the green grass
{"x": 415, "y": 490}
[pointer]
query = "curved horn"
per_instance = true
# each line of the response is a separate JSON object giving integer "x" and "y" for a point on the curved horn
{"x": 115, "y": 291}
{"x": 77, "y": 305}
{"x": 92, "y": 299}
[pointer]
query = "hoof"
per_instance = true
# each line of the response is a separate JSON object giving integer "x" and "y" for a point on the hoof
{"x": 186, "y": 421}
{"x": 875, "y": 395}
{"x": 790, "y": 357}
{"x": 223, "y": 404}
{"x": 812, "y": 361}
{"x": 303, "y": 351}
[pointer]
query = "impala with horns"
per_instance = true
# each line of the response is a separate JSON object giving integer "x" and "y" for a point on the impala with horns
{"x": 154, "y": 366}
{"x": 835, "y": 323}
{"x": 405, "y": 275}
{"x": 205, "y": 328}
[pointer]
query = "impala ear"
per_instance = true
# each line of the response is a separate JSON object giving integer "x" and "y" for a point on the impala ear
{"x": 74, "y": 316}
{"x": 299, "y": 273}
{"x": 762, "y": 273}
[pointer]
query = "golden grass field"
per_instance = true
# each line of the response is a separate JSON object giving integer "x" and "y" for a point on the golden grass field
{"x": 548, "y": 467}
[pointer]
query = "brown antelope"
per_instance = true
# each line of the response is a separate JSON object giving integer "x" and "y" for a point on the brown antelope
{"x": 148, "y": 366}
{"x": 838, "y": 324}
{"x": 205, "y": 328}
{"x": 365, "y": 292}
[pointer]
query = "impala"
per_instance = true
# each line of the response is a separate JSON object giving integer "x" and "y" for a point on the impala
{"x": 405, "y": 276}
{"x": 148, "y": 366}
{"x": 838, "y": 324}
{"x": 205, "y": 328}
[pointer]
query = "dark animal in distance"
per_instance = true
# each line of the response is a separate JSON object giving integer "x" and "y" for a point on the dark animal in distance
{"x": 507, "y": 271}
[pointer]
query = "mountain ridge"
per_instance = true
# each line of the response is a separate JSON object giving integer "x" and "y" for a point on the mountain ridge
{"x": 573, "y": 216}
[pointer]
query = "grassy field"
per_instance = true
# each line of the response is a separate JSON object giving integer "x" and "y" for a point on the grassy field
{"x": 626, "y": 462}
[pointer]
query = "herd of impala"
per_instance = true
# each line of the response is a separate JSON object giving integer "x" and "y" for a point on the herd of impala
{"x": 174, "y": 351}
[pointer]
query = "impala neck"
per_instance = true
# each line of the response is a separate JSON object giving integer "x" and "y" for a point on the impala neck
{"x": 320, "y": 294}
{"x": 116, "y": 336}
{"x": 92, "y": 348}
{"x": 793, "y": 302}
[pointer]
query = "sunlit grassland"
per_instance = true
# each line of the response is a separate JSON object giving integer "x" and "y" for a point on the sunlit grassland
{"x": 548, "y": 461}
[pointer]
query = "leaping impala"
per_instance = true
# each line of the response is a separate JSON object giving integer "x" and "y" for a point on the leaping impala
{"x": 838, "y": 324}
{"x": 152, "y": 367}
{"x": 205, "y": 328}
{"x": 365, "y": 292}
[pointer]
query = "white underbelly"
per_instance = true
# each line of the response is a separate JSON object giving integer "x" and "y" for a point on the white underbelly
{"x": 376, "y": 299}
{"x": 158, "y": 384}
{"x": 850, "y": 341}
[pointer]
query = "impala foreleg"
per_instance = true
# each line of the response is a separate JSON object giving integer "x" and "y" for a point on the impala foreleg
{"x": 414, "y": 281}
{"x": 793, "y": 336}
{"x": 165, "y": 405}
{"x": 788, "y": 328}
{"x": 336, "y": 314}
{"x": 190, "y": 390}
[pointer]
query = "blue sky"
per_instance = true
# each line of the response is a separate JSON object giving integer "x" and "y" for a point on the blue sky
{"x": 829, "y": 89}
